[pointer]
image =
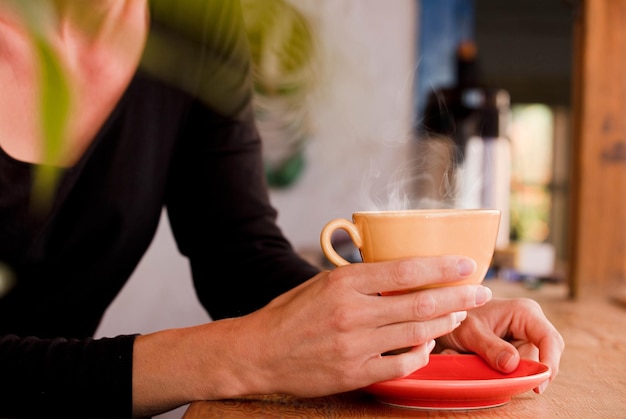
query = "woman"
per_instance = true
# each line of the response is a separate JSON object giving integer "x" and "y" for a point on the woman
{"x": 161, "y": 116}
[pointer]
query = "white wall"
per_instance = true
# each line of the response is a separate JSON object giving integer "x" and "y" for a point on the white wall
{"x": 364, "y": 113}
{"x": 362, "y": 121}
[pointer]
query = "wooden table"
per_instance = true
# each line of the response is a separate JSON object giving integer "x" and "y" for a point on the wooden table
{"x": 591, "y": 382}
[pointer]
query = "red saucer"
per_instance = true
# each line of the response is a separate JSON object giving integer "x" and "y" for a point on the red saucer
{"x": 459, "y": 382}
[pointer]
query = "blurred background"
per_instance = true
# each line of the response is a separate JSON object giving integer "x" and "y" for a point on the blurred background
{"x": 355, "y": 96}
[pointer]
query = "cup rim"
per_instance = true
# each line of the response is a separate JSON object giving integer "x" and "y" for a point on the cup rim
{"x": 430, "y": 211}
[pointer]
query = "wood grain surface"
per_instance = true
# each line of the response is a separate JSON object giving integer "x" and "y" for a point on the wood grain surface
{"x": 591, "y": 382}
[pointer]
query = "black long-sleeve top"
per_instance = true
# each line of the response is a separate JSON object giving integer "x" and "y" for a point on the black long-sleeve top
{"x": 183, "y": 138}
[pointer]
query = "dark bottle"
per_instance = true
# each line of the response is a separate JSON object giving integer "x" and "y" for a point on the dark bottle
{"x": 451, "y": 111}
{"x": 474, "y": 118}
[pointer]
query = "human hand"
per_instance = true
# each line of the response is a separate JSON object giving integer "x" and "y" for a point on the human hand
{"x": 327, "y": 335}
{"x": 506, "y": 330}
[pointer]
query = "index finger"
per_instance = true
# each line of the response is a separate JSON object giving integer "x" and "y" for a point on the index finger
{"x": 542, "y": 333}
{"x": 408, "y": 274}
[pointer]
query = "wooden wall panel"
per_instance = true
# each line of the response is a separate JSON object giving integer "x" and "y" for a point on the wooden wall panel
{"x": 598, "y": 230}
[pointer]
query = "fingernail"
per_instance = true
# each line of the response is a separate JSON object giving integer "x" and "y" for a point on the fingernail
{"x": 542, "y": 387}
{"x": 431, "y": 345}
{"x": 483, "y": 294}
{"x": 460, "y": 316}
{"x": 504, "y": 361}
{"x": 466, "y": 267}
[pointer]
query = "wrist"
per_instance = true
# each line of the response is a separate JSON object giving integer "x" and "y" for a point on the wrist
{"x": 177, "y": 366}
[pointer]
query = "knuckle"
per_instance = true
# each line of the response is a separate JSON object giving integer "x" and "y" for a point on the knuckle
{"x": 528, "y": 304}
{"x": 404, "y": 274}
{"x": 417, "y": 333}
{"x": 445, "y": 271}
{"x": 424, "y": 305}
{"x": 342, "y": 319}
{"x": 409, "y": 273}
{"x": 336, "y": 276}
{"x": 447, "y": 268}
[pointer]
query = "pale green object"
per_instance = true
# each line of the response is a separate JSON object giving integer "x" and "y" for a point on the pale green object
{"x": 55, "y": 110}
{"x": 54, "y": 100}
{"x": 283, "y": 51}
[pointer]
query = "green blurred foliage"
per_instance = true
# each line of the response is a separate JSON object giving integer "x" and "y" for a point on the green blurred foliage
{"x": 54, "y": 99}
{"x": 55, "y": 111}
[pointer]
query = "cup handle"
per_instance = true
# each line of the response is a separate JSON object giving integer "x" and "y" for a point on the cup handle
{"x": 327, "y": 232}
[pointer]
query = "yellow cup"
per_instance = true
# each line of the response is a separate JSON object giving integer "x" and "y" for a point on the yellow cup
{"x": 388, "y": 235}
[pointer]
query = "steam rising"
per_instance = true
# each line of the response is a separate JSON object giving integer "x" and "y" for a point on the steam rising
{"x": 430, "y": 178}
